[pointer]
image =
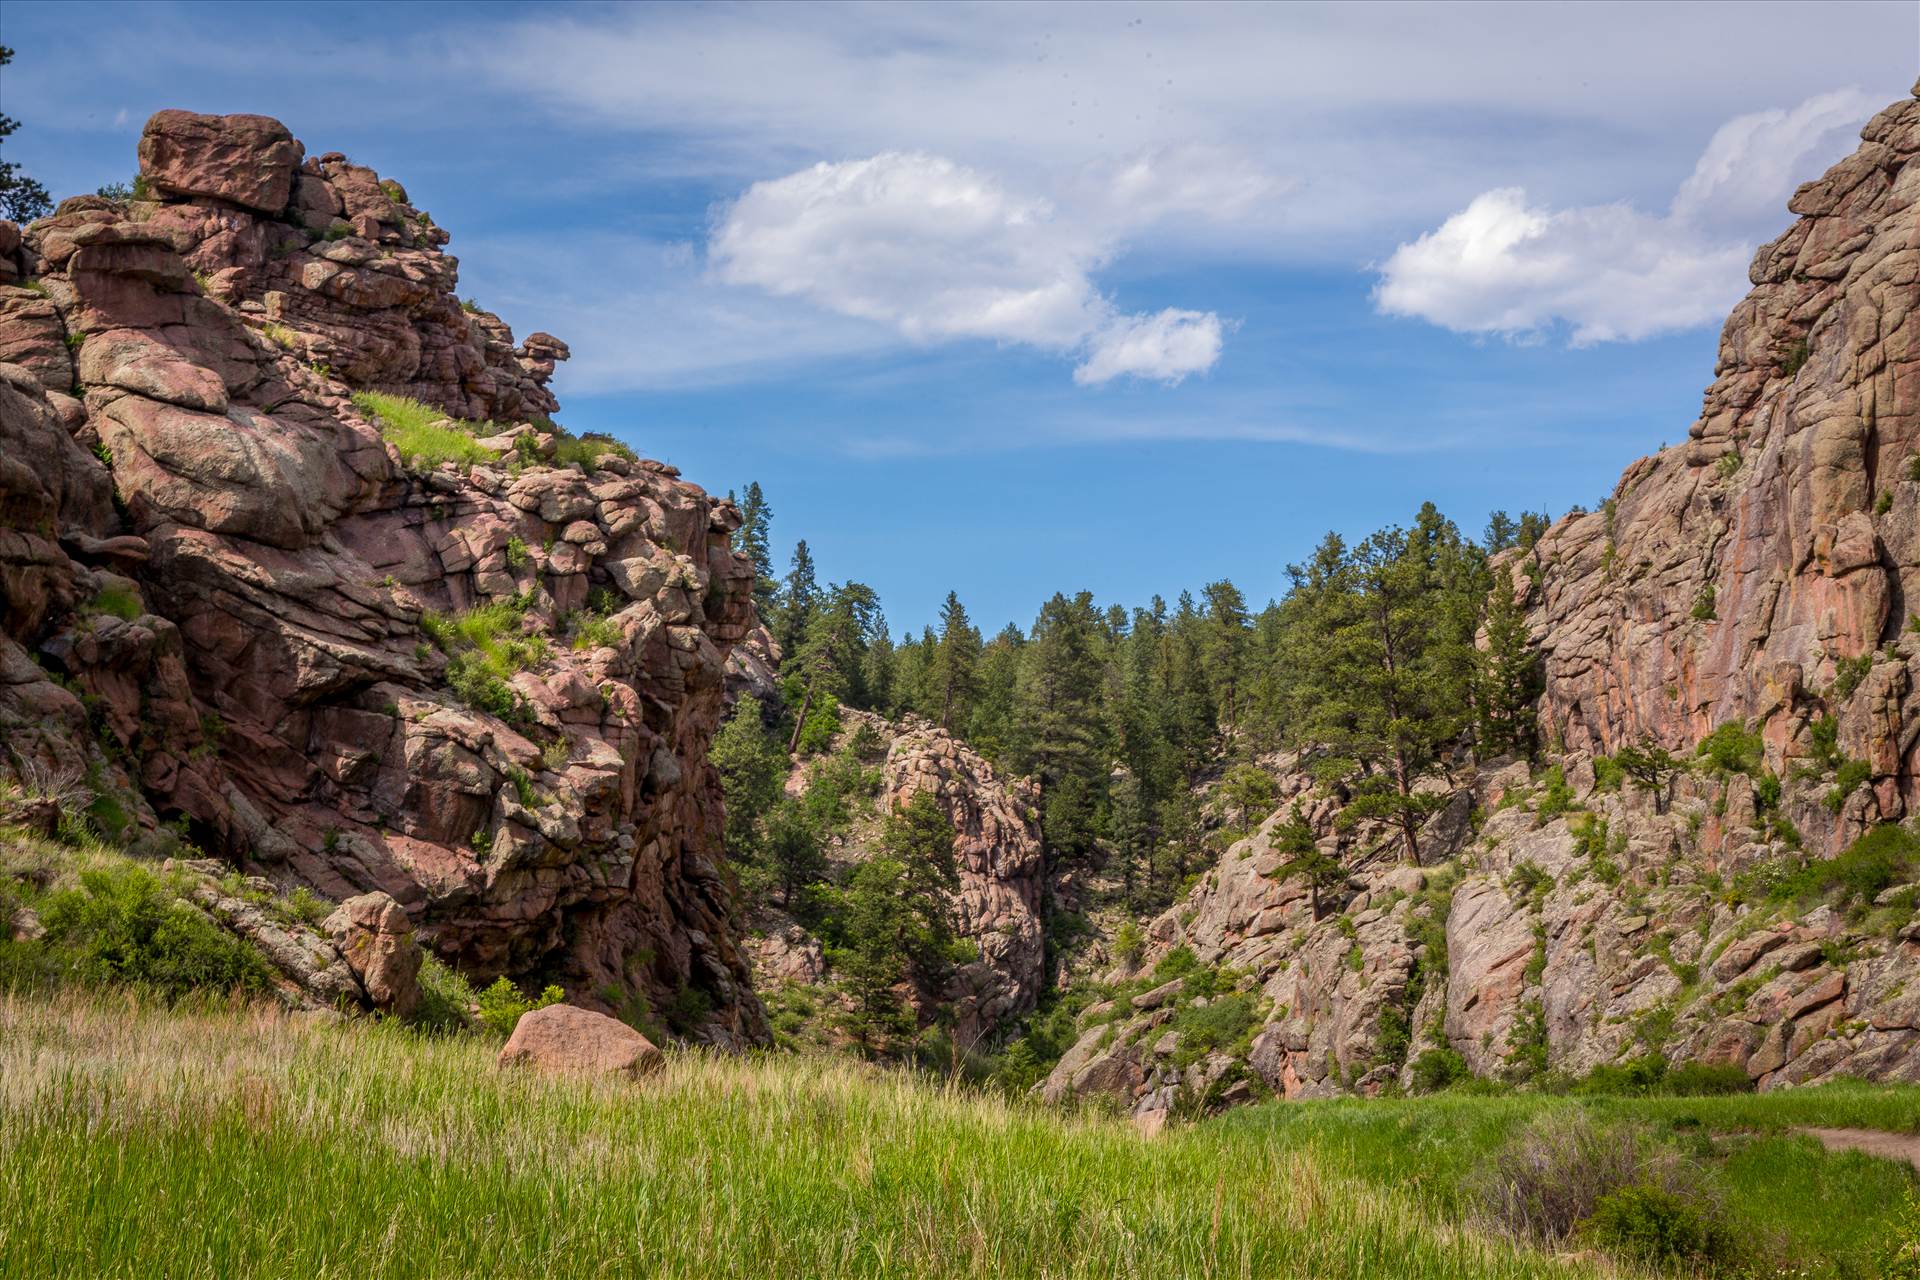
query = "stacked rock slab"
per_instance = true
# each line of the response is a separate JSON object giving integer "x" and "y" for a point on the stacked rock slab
{"x": 1740, "y": 575}
{"x": 177, "y": 435}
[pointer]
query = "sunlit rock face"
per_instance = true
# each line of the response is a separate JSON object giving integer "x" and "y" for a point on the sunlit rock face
{"x": 177, "y": 436}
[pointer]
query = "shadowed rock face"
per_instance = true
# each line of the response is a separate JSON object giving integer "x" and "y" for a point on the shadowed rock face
{"x": 177, "y": 436}
{"x": 1731, "y": 575}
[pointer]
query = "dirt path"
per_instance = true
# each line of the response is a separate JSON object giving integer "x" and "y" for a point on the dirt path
{"x": 1875, "y": 1142}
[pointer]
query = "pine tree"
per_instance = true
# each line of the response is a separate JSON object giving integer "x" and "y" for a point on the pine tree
{"x": 896, "y": 922}
{"x": 1509, "y": 677}
{"x": 828, "y": 659}
{"x": 1225, "y": 648}
{"x": 954, "y": 662}
{"x": 21, "y": 198}
{"x": 798, "y": 597}
{"x": 1060, "y": 715}
{"x": 1293, "y": 841}
{"x": 752, "y": 767}
{"x": 1378, "y": 654}
{"x": 750, "y": 540}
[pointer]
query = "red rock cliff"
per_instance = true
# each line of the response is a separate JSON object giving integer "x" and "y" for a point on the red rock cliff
{"x": 214, "y": 569}
{"x": 1767, "y": 569}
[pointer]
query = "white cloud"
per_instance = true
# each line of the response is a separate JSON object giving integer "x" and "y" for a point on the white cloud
{"x": 939, "y": 251}
{"x": 1612, "y": 273}
{"x": 1167, "y": 346}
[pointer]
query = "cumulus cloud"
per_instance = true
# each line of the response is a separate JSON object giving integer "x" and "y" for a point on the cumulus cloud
{"x": 939, "y": 251}
{"x": 1612, "y": 273}
{"x": 1167, "y": 346}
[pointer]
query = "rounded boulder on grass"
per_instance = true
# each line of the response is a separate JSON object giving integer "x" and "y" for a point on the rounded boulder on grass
{"x": 564, "y": 1039}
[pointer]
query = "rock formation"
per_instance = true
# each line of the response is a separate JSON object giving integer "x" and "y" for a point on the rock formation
{"x": 1761, "y": 580}
{"x": 997, "y": 852}
{"x": 1767, "y": 569}
{"x": 214, "y": 572}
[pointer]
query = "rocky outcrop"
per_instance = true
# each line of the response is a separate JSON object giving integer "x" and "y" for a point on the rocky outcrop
{"x": 998, "y": 854}
{"x": 1570, "y": 933}
{"x": 1766, "y": 569}
{"x": 215, "y": 571}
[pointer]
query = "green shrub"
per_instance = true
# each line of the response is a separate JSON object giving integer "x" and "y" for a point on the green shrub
{"x": 1556, "y": 797}
{"x": 1732, "y": 748}
{"x": 423, "y": 436}
{"x": 1438, "y": 1069}
{"x": 127, "y": 925}
{"x": 1177, "y": 963}
{"x": 1703, "y": 609}
{"x": 1225, "y": 1023}
{"x": 593, "y": 631}
{"x": 1849, "y": 672}
{"x": 485, "y": 647}
{"x": 1795, "y": 358}
{"x": 586, "y": 450}
{"x": 446, "y": 998}
{"x": 502, "y": 1004}
{"x": 518, "y": 557}
{"x": 1847, "y": 780}
{"x": 822, "y": 725}
{"x": 1900, "y": 1252}
{"x": 1648, "y": 1223}
{"x": 1607, "y": 774}
{"x": 1877, "y": 861}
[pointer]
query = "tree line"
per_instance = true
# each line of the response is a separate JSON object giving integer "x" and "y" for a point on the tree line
{"x": 1372, "y": 662}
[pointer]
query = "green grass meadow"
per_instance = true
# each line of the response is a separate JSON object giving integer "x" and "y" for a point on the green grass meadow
{"x": 226, "y": 1139}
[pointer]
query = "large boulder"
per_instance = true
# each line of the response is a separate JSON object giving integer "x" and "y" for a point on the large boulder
{"x": 563, "y": 1038}
{"x": 249, "y": 160}
{"x": 373, "y": 933}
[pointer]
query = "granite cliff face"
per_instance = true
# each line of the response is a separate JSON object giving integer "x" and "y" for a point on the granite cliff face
{"x": 1767, "y": 569}
{"x": 214, "y": 572}
{"x": 1760, "y": 580}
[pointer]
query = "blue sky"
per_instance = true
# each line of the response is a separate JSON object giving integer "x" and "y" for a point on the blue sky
{"x": 1015, "y": 300}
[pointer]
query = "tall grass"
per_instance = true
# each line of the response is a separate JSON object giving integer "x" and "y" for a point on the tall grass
{"x": 1817, "y": 1215}
{"x": 237, "y": 1140}
{"x": 422, "y": 435}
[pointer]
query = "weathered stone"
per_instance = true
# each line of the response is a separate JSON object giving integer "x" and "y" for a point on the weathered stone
{"x": 562, "y": 1039}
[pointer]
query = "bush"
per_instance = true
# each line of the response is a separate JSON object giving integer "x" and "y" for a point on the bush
{"x": 116, "y": 601}
{"x": 1556, "y": 797}
{"x": 587, "y": 450}
{"x": 1868, "y": 867}
{"x": 446, "y": 998}
{"x": 1224, "y": 1023}
{"x": 1732, "y": 749}
{"x": 1438, "y": 1069}
{"x": 502, "y": 1004}
{"x": 1648, "y": 1223}
{"x": 1551, "y": 1176}
{"x": 485, "y": 646}
{"x": 822, "y": 725}
{"x": 1847, "y": 780}
{"x": 127, "y": 925}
